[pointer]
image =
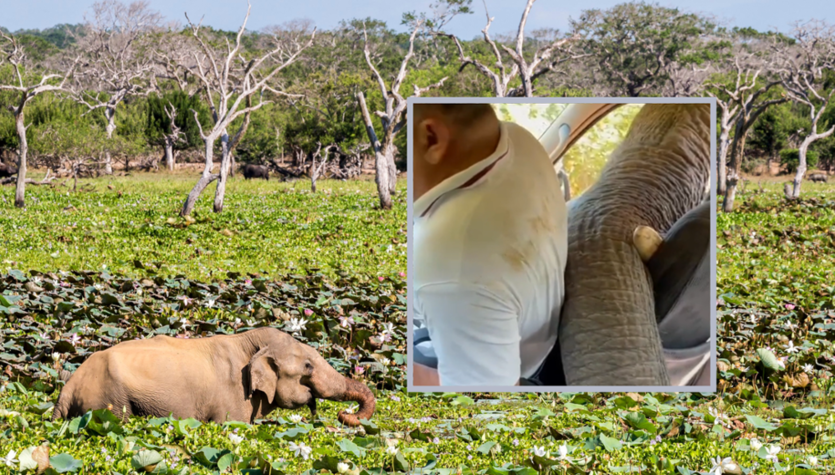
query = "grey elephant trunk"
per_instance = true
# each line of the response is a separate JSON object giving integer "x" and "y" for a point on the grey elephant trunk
{"x": 330, "y": 384}
{"x": 357, "y": 392}
{"x": 608, "y": 331}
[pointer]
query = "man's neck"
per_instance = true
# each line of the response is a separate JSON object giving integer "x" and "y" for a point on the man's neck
{"x": 481, "y": 142}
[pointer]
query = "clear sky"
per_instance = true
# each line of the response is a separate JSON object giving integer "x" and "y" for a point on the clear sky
{"x": 227, "y": 14}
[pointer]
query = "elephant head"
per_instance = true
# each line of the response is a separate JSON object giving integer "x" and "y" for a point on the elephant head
{"x": 608, "y": 331}
{"x": 292, "y": 374}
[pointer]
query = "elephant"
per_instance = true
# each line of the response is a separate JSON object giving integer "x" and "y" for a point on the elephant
{"x": 608, "y": 333}
{"x": 818, "y": 177}
{"x": 256, "y": 171}
{"x": 7, "y": 171}
{"x": 240, "y": 377}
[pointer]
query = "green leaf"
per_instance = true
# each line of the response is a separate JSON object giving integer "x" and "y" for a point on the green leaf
{"x": 370, "y": 427}
{"x": 485, "y": 448}
{"x": 225, "y": 462}
{"x": 609, "y": 443}
{"x": 462, "y": 401}
{"x": 769, "y": 360}
{"x": 64, "y": 463}
{"x": 145, "y": 460}
{"x": 759, "y": 423}
{"x": 346, "y": 445}
{"x": 400, "y": 462}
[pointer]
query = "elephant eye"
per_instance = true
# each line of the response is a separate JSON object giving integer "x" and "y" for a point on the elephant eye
{"x": 308, "y": 368}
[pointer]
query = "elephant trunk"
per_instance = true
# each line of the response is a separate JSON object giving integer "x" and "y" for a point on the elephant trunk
{"x": 608, "y": 331}
{"x": 357, "y": 392}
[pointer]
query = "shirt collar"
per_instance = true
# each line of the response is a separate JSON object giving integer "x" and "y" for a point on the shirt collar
{"x": 466, "y": 178}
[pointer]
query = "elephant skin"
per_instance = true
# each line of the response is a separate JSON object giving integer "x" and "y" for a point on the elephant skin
{"x": 221, "y": 378}
{"x": 608, "y": 332}
{"x": 818, "y": 177}
{"x": 7, "y": 171}
{"x": 256, "y": 171}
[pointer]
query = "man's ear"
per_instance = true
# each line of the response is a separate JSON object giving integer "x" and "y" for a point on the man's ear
{"x": 435, "y": 135}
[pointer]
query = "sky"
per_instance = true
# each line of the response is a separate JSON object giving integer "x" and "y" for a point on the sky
{"x": 326, "y": 14}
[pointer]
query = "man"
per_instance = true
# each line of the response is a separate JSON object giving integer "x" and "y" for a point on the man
{"x": 490, "y": 246}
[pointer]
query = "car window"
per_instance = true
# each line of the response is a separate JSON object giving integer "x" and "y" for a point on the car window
{"x": 534, "y": 117}
{"x": 584, "y": 161}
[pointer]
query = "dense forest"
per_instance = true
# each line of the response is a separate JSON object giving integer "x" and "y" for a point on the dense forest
{"x": 129, "y": 88}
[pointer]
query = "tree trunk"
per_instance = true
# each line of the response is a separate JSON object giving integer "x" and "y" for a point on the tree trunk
{"x": 801, "y": 166}
{"x": 383, "y": 184}
{"x": 169, "y": 153}
{"x": 721, "y": 163}
{"x": 206, "y": 178}
{"x": 20, "y": 191}
{"x": 392, "y": 170}
{"x": 220, "y": 192}
{"x": 738, "y": 147}
{"x": 111, "y": 126}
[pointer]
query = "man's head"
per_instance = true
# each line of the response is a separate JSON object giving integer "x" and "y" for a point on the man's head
{"x": 449, "y": 138}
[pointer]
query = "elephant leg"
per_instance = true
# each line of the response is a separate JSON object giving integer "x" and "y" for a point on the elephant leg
{"x": 608, "y": 330}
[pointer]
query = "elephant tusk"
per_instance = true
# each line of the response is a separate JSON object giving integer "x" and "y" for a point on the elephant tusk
{"x": 646, "y": 241}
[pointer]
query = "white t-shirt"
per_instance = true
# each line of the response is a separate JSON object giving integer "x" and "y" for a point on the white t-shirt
{"x": 490, "y": 252}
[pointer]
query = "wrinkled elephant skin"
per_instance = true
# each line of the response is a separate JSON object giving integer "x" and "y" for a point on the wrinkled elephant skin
{"x": 608, "y": 332}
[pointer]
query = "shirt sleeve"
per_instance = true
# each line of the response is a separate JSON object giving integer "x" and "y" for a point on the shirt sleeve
{"x": 474, "y": 332}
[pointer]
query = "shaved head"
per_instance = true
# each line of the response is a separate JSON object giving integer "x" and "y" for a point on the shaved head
{"x": 448, "y": 138}
{"x": 459, "y": 115}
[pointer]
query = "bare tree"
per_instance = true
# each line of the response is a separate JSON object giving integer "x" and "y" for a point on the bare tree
{"x": 317, "y": 169}
{"x": 229, "y": 84}
{"x": 545, "y": 59}
{"x": 171, "y": 137}
{"x": 116, "y": 65}
{"x": 802, "y": 73}
{"x": 741, "y": 101}
{"x": 14, "y": 54}
{"x": 392, "y": 119}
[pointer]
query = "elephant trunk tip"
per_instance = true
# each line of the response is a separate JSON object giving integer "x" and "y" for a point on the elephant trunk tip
{"x": 358, "y": 392}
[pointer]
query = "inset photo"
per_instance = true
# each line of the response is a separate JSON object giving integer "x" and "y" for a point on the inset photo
{"x": 561, "y": 244}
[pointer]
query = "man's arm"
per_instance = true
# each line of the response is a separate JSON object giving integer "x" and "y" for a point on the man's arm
{"x": 475, "y": 333}
{"x": 425, "y": 376}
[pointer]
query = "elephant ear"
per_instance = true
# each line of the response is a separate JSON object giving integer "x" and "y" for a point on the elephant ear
{"x": 263, "y": 374}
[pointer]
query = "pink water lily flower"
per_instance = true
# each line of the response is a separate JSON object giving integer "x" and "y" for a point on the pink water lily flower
{"x": 308, "y": 312}
{"x": 789, "y": 306}
{"x": 381, "y": 278}
{"x": 359, "y": 370}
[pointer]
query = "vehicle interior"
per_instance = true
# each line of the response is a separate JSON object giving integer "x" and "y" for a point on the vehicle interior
{"x": 680, "y": 270}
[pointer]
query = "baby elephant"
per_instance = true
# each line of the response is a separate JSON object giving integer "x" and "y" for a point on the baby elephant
{"x": 221, "y": 378}
{"x": 256, "y": 171}
{"x": 818, "y": 177}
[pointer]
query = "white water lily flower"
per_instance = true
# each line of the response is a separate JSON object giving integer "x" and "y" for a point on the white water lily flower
{"x": 388, "y": 327}
{"x": 56, "y": 356}
{"x": 563, "y": 452}
{"x": 771, "y": 453}
{"x": 391, "y": 450}
{"x": 721, "y": 465}
{"x": 808, "y": 368}
{"x": 10, "y": 460}
{"x": 351, "y": 409}
{"x": 539, "y": 451}
{"x": 385, "y": 361}
{"x": 756, "y": 444}
{"x": 210, "y": 303}
{"x": 791, "y": 348}
{"x": 300, "y": 450}
{"x": 296, "y": 324}
{"x": 342, "y": 467}
{"x": 236, "y": 439}
{"x": 295, "y": 418}
{"x": 813, "y": 461}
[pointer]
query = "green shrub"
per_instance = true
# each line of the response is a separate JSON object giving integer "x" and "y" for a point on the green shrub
{"x": 790, "y": 157}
